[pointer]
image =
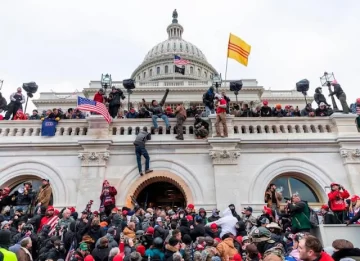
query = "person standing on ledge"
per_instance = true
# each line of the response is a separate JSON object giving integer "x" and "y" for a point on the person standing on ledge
{"x": 221, "y": 116}
{"x": 158, "y": 112}
{"x": 140, "y": 150}
{"x": 180, "y": 113}
{"x": 340, "y": 94}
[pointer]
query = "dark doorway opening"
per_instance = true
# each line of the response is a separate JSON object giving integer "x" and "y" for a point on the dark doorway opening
{"x": 161, "y": 194}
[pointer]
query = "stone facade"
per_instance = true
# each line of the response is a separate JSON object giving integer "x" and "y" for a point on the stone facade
{"x": 210, "y": 173}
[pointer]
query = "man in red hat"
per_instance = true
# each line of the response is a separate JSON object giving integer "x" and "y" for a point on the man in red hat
{"x": 337, "y": 203}
{"x": 50, "y": 219}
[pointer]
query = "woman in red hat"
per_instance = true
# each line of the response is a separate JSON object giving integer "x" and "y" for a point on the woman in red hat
{"x": 337, "y": 198}
{"x": 354, "y": 207}
{"x": 107, "y": 198}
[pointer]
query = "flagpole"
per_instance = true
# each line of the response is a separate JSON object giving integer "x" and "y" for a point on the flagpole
{"x": 227, "y": 60}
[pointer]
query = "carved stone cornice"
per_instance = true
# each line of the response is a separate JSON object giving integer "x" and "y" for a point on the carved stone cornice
{"x": 224, "y": 157}
{"x": 350, "y": 155}
{"x": 94, "y": 159}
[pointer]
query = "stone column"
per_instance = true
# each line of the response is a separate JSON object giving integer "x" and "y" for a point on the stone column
{"x": 351, "y": 161}
{"x": 94, "y": 158}
{"x": 225, "y": 156}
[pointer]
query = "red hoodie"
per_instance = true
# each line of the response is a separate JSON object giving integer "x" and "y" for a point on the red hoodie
{"x": 337, "y": 199}
{"x": 98, "y": 97}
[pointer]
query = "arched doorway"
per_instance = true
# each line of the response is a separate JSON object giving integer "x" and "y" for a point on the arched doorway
{"x": 163, "y": 187}
{"x": 161, "y": 194}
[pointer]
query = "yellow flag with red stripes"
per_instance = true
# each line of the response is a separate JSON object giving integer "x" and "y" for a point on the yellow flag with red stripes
{"x": 238, "y": 50}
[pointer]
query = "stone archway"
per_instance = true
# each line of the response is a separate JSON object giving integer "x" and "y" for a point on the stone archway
{"x": 16, "y": 172}
{"x": 158, "y": 176}
{"x": 308, "y": 171}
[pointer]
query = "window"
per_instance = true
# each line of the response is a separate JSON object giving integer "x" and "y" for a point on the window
{"x": 157, "y": 70}
{"x": 199, "y": 72}
{"x": 191, "y": 70}
{"x": 150, "y": 72}
{"x": 139, "y": 77}
{"x": 166, "y": 69}
{"x": 144, "y": 75}
{"x": 205, "y": 74}
{"x": 289, "y": 186}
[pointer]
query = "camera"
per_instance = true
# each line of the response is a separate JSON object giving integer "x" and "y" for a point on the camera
{"x": 287, "y": 199}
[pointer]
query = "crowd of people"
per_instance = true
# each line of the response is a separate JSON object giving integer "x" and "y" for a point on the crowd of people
{"x": 214, "y": 103}
{"x": 33, "y": 230}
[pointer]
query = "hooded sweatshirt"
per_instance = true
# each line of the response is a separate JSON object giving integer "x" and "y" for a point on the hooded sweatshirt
{"x": 227, "y": 223}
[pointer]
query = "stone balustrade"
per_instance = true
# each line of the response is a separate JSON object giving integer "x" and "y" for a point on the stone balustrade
{"x": 237, "y": 127}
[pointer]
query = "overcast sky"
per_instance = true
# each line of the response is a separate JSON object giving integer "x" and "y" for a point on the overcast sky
{"x": 62, "y": 45}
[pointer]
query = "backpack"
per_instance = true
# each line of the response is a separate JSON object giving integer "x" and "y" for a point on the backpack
{"x": 204, "y": 97}
{"x": 156, "y": 257}
{"x": 314, "y": 219}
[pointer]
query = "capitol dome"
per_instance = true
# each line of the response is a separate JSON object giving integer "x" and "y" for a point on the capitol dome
{"x": 158, "y": 63}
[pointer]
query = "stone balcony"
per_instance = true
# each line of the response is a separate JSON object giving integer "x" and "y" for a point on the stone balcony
{"x": 245, "y": 129}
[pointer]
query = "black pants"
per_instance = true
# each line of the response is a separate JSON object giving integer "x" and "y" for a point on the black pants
{"x": 113, "y": 110}
{"x": 12, "y": 109}
{"x": 108, "y": 209}
{"x": 339, "y": 217}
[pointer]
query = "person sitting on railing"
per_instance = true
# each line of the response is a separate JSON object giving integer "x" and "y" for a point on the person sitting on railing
{"x": 132, "y": 114}
{"x": 35, "y": 115}
{"x": 201, "y": 127}
{"x": 169, "y": 112}
{"x": 158, "y": 112}
{"x": 20, "y": 115}
{"x": 143, "y": 113}
{"x": 322, "y": 111}
{"x": 265, "y": 109}
{"x": 308, "y": 111}
{"x": 78, "y": 114}
{"x": 192, "y": 111}
{"x": 278, "y": 111}
{"x": 246, "y": 111}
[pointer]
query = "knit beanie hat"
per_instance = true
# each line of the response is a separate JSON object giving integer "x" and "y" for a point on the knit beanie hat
{"x": 5, "y": 237}
{"x": 141, "y": 249}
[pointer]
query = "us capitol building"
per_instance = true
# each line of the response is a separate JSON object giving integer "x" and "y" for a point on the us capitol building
{"x": 301, "y": 155}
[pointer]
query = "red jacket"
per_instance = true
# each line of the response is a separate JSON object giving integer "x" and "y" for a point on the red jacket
{"x": 109, "y": 199}
{"x": 98, "y": 97}
{"x": 222, "y": 101}
{"x": 325, "y": 257}
{"x": 337, "y": 200}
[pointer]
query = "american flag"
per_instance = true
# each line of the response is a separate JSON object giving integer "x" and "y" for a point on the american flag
{"x": 179, "y": 61}
{"x": 84, "y": 104}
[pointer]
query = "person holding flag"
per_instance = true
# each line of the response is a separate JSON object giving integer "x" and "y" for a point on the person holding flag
{"x": 84, "y": 104}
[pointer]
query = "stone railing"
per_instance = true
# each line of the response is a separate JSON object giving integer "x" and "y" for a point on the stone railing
{"x": 33, "y": 128}
{"x": 237, "y": 127}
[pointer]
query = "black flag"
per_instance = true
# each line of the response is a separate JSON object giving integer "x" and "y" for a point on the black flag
{"x": 180, "y": 70}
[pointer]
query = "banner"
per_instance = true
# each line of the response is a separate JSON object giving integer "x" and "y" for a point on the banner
{"x": 48, "y": 127}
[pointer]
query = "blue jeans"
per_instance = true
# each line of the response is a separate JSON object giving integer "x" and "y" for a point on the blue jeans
{"x": 141, "y": 151}
{"x": 164, "y": 117}
{"x": 208, "y": 111}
